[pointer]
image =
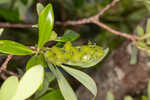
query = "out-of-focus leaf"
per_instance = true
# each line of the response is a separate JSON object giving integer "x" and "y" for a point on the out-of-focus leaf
{"x": 144, "y": 98}
{"x": 29, "y": 83}
{"x": 64, "y": 86}
{"x": 148, "y": 90}
{"x": 36, "y": 60}
{"x": 148, "y": 30}
{"x": 69, "y": 35}
{"x": 1, "y": 31}
{"x": 128, "y": 98}
{"x": 53, "y": 95}
{"x": 133, "y": 59}
{"x": 140, "y": 31}
{"x": 9, "y": 15}
{"x": 45, "y": 24}
{"x": 4, "y": 1}
{"x": 39, "y": 8}
{"x": 9, "y": 88}
{"x": 110, "y": 96}
{"x": 14, "y": 48}
{"x": 82, "y": 77}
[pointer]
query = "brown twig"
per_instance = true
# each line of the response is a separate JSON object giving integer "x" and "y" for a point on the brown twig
{"x": 4, "y": 65}
{"x": 95, "y": 20}
{"x": 9, "y": 25}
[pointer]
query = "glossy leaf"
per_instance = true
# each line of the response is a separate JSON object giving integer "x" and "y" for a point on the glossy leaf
{"x": 45, "y": 24}
{"x": 30, "y": 82}
{"x": 9, "y": 87}
{"x": 82, "y": 77}
{"x": 39, "y": 8}
{"x": 14, "y": 48}
{"x": 36, "y": 60}
{"x": 53, "y": 95}
{"x": 64, "y": 86}
{"x": 69, "y": 35}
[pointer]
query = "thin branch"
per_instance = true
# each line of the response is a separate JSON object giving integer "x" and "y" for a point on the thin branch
{"x": 9, "y": 25}
{"x": 4, "y": 65}
{"x": 3, "y": 76}
{"x": 11, "y": 73}
{"x": 126, "y": 35}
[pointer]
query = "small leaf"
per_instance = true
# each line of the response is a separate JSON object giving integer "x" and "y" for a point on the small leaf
{"x": 39, "y": 8}
{"x": 64, "y": 86}
{"x": 45, "y": 24}
{"x": 53, "y": 95}
{"x": 82, "y": 77}
{"x": 9, "y": 87}
{"x": 14, "y": 48}
{"x": 110, "y": 96}
{"x": 140, "y": 31}
{"x": 30, "y": 82}
{"x": 69, "y": 35}
{"x": 53, "y": 36}
{"x": 36, "y": 60}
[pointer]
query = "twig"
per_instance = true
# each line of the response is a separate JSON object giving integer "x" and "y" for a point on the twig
{"x": 95, "y": 20}
{"x": 8, "y": 25}
{"x": 4, "y": 65}
{"x": 3, "y": 76}
{"x": 11, "y": 73}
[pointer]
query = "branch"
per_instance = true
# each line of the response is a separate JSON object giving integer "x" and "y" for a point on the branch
{"x": 8, "y": 25}
{"x": 4, "y": 65}
{"x": 95, "y": 20}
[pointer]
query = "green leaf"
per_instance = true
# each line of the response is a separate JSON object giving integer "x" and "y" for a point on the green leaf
{"x": 30, "y": 82}
{"x": 148, "y": 30}
{"x": 45, "y": 24}
{"x": 140, "y": 31}
{"x": 53, "y": 95}
{"x": 148, "y": 90}
{"x": 14, "y": 48}
{"x": 64, "y": 86}
{"x": 1, "y": 31}
{"x": 49, "y": 77}
{"x": 69, "y": 35}
{"x": 9, "y": 88}
{"x": 53, "y": 36}
{"x": 36, "y": 60}
{"x": 82, "y": 77}
{"x": 110, "y": 96}
{"x": 39, "y": 8}
{"x": 128, "y": 98}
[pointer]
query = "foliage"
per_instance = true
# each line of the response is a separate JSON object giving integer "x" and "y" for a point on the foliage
{"x": 55, "y": 57}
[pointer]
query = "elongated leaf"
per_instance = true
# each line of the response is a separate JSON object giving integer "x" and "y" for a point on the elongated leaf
{"x": 36, "y": 60}
{"x": 30, "y": 82}
{"x": 14, "y": 48}
{"x": 53, "y": 95}
{"x": 39, "y": 8}
{"x": 148, "y": 90}
{"x": 69, "y": 35}
{"x": 64, "y": 86}
{"x": 45, "y": 24}
{"x": 148, "y": 30}
{"x": 82, "y": 77}
{"x": 1, "y": 31}
{"x": 9, "y": 87}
